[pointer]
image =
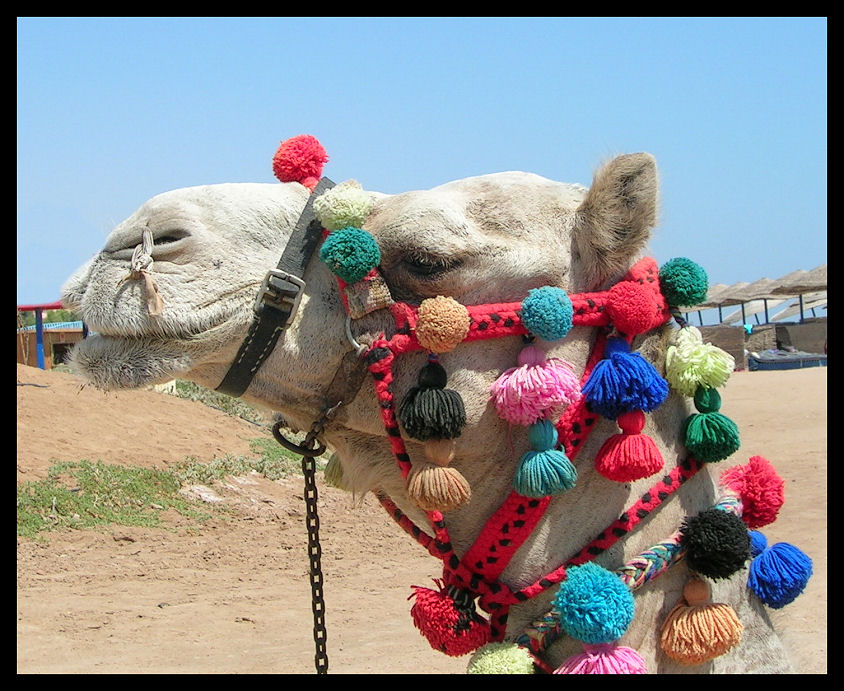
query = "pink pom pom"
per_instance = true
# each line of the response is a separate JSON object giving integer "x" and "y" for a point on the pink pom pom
{"x": 537, "y": 389}
{"x": 761, "y": 489}
{"x": 604, "y": 658}
{"x": 300, "y": 159}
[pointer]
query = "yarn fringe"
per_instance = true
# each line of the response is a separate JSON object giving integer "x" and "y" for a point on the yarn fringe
{"x": 697, "y": 631}
{"x": 604, "y": 658}
{"x": 438, "y": 488}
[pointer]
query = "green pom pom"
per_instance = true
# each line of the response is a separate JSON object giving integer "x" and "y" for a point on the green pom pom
{"x": 342, "y": 206}
{"x": 690, "y": 363}
{"x": 350, "y": 253}
{"x": 683, "y": 282}
{"x": 501, "y": 658}
{"x": 709, "y": 435}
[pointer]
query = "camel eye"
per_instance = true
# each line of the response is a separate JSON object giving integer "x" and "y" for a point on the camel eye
{"x": 428, "y": 266}
{"x": 169, "y": 237}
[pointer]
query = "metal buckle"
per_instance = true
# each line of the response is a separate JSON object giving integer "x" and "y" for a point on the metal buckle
{"x": 280, "y": 296}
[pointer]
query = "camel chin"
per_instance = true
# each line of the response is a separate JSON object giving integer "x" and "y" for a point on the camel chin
{"x": 110, "y": 362}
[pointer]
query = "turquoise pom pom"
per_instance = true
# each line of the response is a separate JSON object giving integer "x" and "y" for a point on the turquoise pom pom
{"x": 545, "y": 470}
{"x": 350, "y": 253}
{"x": 594, "y": 605}
{"x": 547, "y": 312}
{"x": 683, "y": 283}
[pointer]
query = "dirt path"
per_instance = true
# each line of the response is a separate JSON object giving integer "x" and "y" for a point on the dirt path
{"x": 234, "y": 596}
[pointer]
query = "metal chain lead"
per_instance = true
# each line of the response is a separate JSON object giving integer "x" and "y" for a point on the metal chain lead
{"x": 314, "y": 555}
{"x": 349, "y": 376}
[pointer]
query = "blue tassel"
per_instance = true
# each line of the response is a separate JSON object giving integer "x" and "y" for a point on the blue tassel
{"x": 623, "y": 382}
{"x": 546, "y": 470}
{"x": 778, "y": 574}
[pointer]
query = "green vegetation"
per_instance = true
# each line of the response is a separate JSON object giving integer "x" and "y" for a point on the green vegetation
{"x": 87, "y": 495}
{"x": 50, "y": 317}
{"x": 227, "y": 404}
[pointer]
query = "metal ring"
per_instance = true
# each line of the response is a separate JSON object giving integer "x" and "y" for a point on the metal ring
{"x": 357, "y": 346}
{"x": 301, "y": 449}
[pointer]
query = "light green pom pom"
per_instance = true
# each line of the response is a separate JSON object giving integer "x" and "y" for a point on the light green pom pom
{"x": 346, "y": 204}
{"x": 501, "y": 658}
{"x": 690, "y": 363}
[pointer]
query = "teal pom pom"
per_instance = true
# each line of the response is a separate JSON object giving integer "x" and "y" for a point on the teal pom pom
{"x": 547, "y": 312}
{"x": 683, "y": 283}
{"x": 594, "y": 605}
{"x": 545, "y": 470}
{"x": 350, "y": 253}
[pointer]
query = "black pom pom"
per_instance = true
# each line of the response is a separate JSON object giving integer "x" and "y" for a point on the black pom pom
{"x": 433, "y": 376}
{"x": 716, "y": 543}
{"x": 436, "y": 413}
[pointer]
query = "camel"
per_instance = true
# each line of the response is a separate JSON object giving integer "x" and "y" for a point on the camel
{"x": 173, "y": 294}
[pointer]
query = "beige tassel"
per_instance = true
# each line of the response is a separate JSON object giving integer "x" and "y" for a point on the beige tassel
{"x": 436, "y": 488}
{"x": 697, "y": 630}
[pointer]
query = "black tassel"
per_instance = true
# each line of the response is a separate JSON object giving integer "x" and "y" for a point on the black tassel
{"x": 429, "y": 410}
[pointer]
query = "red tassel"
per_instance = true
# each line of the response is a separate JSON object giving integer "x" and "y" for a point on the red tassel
{"x": 630, "y": 455}
{"x": 448, "y": 620}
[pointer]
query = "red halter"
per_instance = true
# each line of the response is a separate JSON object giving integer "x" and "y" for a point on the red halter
{"x": 478, "y": 571}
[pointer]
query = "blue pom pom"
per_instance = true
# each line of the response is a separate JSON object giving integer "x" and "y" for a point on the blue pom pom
{"x": 545, "y": 470}
{"x": 547, "y": 312}
{"x": 594, "y": 605}
{"x": 758, "y": 543}
{"x": 350, "y": 253}
{"x": 779, "y": 574}
{"x": 623, "y": 382}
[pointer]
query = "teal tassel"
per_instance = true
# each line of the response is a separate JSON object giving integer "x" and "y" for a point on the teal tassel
{"x": 546, "y": 470}
{"x": 709, "y": 435}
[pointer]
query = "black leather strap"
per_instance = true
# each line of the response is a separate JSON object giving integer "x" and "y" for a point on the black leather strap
{"x": 278, "y": 299}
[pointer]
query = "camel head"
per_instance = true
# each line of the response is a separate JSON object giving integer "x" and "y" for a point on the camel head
{"x": 395, "y": 284}
{"x": 485, "y": 239}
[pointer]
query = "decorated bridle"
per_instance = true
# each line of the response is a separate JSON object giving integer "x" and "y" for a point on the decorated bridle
{"x": 591, "y": 604}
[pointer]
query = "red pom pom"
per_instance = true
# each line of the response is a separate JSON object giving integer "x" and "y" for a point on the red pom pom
{"x": 630, "y": 455}
{"x": 761, "y": 489}
{"x": 633, "y": 308}
{"x": 448, "y": 620}
{"x": 300, "y": 159}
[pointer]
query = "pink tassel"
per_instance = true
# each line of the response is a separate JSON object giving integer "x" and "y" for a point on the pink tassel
{"x": 630, "y": 455}
{"x": 604, "y": 658}
{"x": 537, "y": 389}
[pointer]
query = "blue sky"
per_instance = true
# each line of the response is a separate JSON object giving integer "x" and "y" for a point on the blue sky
{"x": 111, "y": 111}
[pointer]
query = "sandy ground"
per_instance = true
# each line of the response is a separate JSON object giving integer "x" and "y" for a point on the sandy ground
{"x": 234, "y": 597}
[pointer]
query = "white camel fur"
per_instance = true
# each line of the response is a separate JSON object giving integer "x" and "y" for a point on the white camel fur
{"x": 486, "y": 239}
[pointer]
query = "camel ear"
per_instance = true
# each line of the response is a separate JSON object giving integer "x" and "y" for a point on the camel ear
{"x": 614, "y": 221}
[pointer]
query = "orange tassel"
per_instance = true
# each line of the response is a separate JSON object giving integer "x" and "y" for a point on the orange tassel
{"x": 697, "y": 630}
{"x": 436, "y": 488}
{"x": 630, "y": 455}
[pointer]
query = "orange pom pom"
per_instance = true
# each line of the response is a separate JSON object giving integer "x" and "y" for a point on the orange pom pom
{"x": 442, "y": 325}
